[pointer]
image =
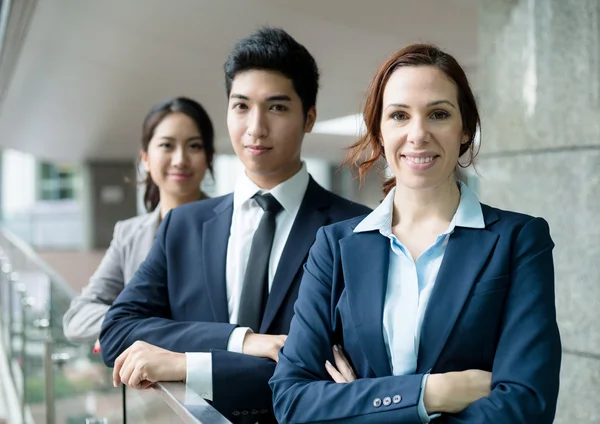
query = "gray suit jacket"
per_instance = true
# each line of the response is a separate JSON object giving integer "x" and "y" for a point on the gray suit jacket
{"x": 132, "y": 240}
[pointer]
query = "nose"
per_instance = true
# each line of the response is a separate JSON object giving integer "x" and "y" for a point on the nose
{"x": 180, "y": 157}
{"x": 257, "y": 125}
{"x": 418, "y": 134}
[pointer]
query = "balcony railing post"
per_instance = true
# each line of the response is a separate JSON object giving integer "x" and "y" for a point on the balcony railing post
{"x": 49, "y": 377}
{"x": 124, "y": 402}
{"x": 21, "y": 290}
{"x": 11, "y": 319}
{"x": 26, "y": 303}
{"x": 3, "y": 303}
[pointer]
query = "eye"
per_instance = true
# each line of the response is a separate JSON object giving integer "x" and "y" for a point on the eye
{"x": 240, "y": 106}
{"x": 279, "y": 108}
{"x": 440, "y": 114}
{"x": 197, "y": 145}
{"x": 398, "y": 116}
{"x": 166, "y": 145}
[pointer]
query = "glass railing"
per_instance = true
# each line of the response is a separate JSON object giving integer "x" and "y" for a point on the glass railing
{"x": 59, "y": 382}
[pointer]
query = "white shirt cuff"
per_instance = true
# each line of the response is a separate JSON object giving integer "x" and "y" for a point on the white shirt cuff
{"x": 199, "y": 373}
{"x": 236, "y": 339}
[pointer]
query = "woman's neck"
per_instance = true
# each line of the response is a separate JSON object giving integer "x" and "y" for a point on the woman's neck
{"x": 414, "y": 207}
{"x": 168, "y": 202}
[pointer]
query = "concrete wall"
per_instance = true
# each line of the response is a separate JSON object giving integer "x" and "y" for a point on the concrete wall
{"x": 539, "y": 90}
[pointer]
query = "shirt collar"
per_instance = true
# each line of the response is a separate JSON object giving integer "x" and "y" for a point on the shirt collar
{"x": 288, "y": 193}
{"x": 468, "y": 214}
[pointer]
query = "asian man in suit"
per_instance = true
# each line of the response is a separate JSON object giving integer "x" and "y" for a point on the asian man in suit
{"x": 213, "y": 301}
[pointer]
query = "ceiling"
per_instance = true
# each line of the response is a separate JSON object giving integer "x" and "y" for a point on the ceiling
{"x": 88, "y": 71}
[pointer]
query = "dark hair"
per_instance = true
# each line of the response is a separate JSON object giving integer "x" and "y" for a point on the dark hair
{"x": 273, "y": 49}
{"x": 368, "y": 149}
{"x": 159, "y": 112}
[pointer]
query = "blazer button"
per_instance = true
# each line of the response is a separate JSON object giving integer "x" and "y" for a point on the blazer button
{"x": 377, "y": 402}
{"x": 254, "y": 412}
{"x": 244, "y": 412}
{"x": 397, "y": 399}
{"x": 264, "y": 411}
{"x": 235, "y": 413}
{"x": 387, "y": 401}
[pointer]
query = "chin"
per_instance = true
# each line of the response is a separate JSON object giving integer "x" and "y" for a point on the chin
{"x": 419, "y": 182}
{"x": 260, "y": 170}
{"x": 253, "y": 164}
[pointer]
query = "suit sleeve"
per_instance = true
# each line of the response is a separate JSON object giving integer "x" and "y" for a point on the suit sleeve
{"x": 142, "y": 312}
{"x": 525, "y": 373}
{"x": 241, "y": 383}
{"x": 302, "y": 389}
{"x": 83, "y": 319}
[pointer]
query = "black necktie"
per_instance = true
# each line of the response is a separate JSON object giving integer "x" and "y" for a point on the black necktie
{"x": 256, "y": 280}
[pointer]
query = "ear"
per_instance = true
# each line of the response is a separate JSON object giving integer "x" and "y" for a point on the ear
{"x": 311, "y": 118}
{"x": 144, "y": 160}
{"x": 465, "y": 138}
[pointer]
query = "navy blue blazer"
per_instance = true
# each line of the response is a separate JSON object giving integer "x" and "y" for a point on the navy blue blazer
{"x": 492, "y": 308}
{"x": 178, "y": 300}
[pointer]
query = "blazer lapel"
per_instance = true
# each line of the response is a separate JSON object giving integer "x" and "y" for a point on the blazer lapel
{"x": 142, "y": 243}
{"x": 302, "y": 235}
{"x": 365, "y": 262}
{"x": 148, "y": 234}
{"x": 215, "y": 236}
{"x": 466, "y": 255}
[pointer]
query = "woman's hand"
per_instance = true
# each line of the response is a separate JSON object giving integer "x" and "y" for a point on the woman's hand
{"x": 342, "y": 372}
{"x": 449, "y": 392}
{"x": 96, "y": 349}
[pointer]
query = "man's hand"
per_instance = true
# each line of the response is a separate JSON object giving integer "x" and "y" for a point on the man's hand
{"x": 142, "y": 365}
{"x": 263, "y": 345}
{"x": 342, "y": 372}
{"x": 454, "y": 391}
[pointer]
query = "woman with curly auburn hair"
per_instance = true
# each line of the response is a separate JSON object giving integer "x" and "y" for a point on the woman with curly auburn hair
{"x": 434, "y": 306}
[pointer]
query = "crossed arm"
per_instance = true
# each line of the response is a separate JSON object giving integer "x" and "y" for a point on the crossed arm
{"x": 525, "y": 374}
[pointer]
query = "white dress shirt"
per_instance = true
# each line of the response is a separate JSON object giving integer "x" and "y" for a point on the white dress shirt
{"x": 244, "y": 222}
{"x": 411, "y": 282}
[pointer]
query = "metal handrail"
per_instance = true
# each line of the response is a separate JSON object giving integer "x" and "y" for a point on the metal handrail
{"x": 32, "y": 256}
{"x": 12, "y": 286}
{"x": 188, "y": 405}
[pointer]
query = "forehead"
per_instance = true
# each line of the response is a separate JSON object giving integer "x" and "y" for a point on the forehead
{"x": 419, "y": 84}
{"x": 175, "y": 122}
{"x": 261, "y": 84}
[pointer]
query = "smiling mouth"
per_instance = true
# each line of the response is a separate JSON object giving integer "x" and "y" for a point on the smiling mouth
{"x": 420, "y": 160}
{"x": 180, "y": 176}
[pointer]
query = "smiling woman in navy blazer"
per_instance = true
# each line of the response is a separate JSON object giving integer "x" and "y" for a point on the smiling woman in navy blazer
{"x": 439, "y": 308}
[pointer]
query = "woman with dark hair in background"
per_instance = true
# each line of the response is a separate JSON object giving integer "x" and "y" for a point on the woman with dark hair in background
{"x": 438, "y": 307}
{"x": 177, "y": 150}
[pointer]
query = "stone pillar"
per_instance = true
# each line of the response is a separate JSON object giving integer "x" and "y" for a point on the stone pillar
{"x": 1, "y": 189}
{"x": 539, "y": 91}
{"x": 109, "y": 195}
